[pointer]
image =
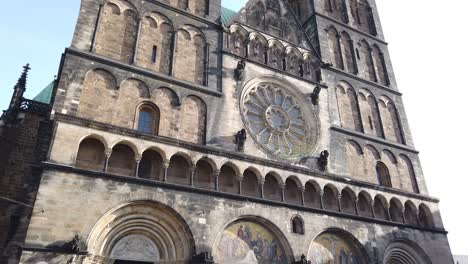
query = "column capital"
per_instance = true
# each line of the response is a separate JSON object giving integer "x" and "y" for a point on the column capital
{"x": 138, "y": 158}
{"x": 240, "y": 177}
{"x": 108, "y": 152}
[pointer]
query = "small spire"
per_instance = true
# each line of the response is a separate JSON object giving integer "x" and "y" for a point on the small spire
{"x": 19, "y": 90}
{"x": 24, "y": 77}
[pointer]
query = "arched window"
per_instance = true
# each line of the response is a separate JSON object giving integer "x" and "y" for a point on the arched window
{"x": 116, "y": 35}
{"x": 348, "y": 53}
{"x": 363, "y": 16}
{"x": 312, "y": 195}
{"x": 148, "y": 119}
{"x": 297, "y": 225}
{"x": 411, "y": 213}
{"x": 396, "y": 211}
{"x": 348, "y": 199}
{"x": 204, "y": 175}
{"x": 179, "y": 170}
{"x": 292, "y": 192}
{"x": 190, "y": 55}
{"x": 100, "y": 84}
{"x": 198, "y": 7}
{"x": 250, "y": 185}
{"x": 335, "y": 49}
{"x": 383, "y": 175}
{"x": 370, "y": 114}
{"x": 368, "y": 71}
{"x": 348, "y": 107}
{"x": 330, "y": 198}
{"x": 381, "y": 207}
{"x": 364, "y": 205}
{"x": 336, "y": 9}
{"x": 154, "y": 50}
{"x": 228, "y": 181}
{"x": 271, "y": 188}
{"x": 151, "y": 166}
{"x": 91, "y": 155}
{"x": 425, "y": 216}
{"x": 122, "y": 160}
{"x": 380, "y": 67}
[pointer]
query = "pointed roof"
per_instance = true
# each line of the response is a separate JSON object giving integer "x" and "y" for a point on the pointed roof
{"x": 45, "y": 95}
{"x": 227, "y": 15}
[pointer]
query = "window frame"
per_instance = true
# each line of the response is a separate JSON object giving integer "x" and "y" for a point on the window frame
{"x": 155, "y": 117}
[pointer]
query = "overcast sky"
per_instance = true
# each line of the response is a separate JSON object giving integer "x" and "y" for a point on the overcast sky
{"x": 428, "y": 43}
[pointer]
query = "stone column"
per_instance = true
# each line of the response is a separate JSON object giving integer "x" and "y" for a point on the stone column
{"x": 166, "y": 167}
{"x": 356, "y": 205}
{"x": 192, "y": 175}
{"x": 373, "y": 208}
{"x": 216, "y": 176}
{"x": 240, "y": 178}
{"x": 418, "y": 221}
{"x": 374, "y": 70}
{"x": 403, "y": 215}
{"x": 137, "y": 165}
{"x": 387, "y": 211}
{"x": 340, "y": 50}
{"x": 108, "y": 153}
{"x": 137, "y": 40}
{"x": 261, "y": 184}
{"x": 302, "y": 196}
{"x": 340, "y": 209}
{"x": 283, "y": 186}
{"x": 322, "y": 204}
{"x": 173, "y": 52}
{"x": 92, "y": 47}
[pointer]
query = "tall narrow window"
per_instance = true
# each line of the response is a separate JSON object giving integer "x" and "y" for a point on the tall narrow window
{"x": 383, "y": 175}
{"x": 148, "y": 120}
{"x": 154, "y": 55}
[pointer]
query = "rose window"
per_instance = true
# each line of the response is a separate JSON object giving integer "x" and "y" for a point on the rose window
{"x": 277, "y": 121}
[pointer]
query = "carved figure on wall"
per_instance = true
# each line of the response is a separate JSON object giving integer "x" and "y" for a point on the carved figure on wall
{"x": 323, "y": 160}
{"x": 241, "y": 138}
{"x": 239, "y": 73}
{"x": 315, "y": 96}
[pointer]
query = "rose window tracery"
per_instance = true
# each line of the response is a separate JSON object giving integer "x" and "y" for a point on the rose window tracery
{"x": 278, "y": 122}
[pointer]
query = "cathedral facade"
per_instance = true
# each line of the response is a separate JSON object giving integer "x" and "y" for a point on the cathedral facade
{"x": 179, "y": 131}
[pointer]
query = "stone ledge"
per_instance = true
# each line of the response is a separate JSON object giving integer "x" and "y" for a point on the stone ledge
{"x": 374, "y": 139}
{"x": 374, "y": 84}
{"x": 348, "y": 27}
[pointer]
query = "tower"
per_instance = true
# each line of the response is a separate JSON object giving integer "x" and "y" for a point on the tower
{"x": 184, "y": 132}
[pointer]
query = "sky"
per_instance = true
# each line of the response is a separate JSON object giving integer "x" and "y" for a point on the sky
{"x": 427, "y": 42}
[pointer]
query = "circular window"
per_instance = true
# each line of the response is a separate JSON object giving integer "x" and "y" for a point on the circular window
{"x": 279, "y": 120}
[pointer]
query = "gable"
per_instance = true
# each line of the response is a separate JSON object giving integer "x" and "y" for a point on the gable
{"x": 274, "y": 17}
